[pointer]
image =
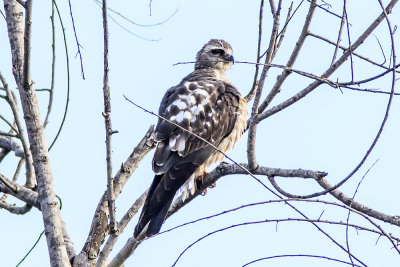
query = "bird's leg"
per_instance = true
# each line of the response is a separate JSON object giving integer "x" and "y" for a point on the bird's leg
{"x": 200, "y": 181}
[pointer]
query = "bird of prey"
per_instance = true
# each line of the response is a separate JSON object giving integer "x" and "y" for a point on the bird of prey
{"x": 205, "y": 103}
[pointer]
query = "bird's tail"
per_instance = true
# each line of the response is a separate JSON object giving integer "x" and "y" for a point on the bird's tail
{"x": 160, "y": 197}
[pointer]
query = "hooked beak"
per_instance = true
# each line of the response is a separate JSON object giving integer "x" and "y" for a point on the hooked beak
{"x": 229, "y": 58}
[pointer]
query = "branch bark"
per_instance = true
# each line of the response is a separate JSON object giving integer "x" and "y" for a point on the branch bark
{"x": 107, "y": 122}
{"x": 99, "y": 228}
{"x": 20, "y": 50}
{"x": 22, "y": 193}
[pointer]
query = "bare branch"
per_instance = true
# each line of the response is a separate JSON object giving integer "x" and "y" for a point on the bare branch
{"x": 10, "y": 144}
{"x": 252, "y": 126}
{"x": 30, "y": 175}
{"x": 22, "y": 193}
{"x": 299, "y": 44}
{"x": 103, "y": 255}
{"x": 395, "y": 220}
{"x": 48, "y": 202}
{"x": 253, "y": 89}
{"x": 107, "y": 122}
{"x": 53, "y": 66}
{"x": 14, "y": 209}
{"x": 339, "y": 38}
{"x": 345, "y": 48}
{"x": 330, "y": 70}
{"x": 99, "y": 227}
{"x": 7, "y": 122}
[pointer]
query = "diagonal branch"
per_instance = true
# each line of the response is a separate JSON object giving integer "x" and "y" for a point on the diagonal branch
{"x": 109, "y": 245}
{"x": 99, "y": 228}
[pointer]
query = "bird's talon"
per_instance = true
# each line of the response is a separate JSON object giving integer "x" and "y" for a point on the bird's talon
{"x": 204, "y": 192}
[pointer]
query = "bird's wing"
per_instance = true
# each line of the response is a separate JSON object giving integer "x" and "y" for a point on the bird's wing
{"x": 205, "y": 108}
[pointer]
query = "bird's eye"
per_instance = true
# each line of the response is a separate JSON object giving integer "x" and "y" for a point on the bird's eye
{"x": 218, "y": 52}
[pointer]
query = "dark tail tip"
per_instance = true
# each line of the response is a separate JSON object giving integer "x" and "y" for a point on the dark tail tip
{"x": 138, "y": 230}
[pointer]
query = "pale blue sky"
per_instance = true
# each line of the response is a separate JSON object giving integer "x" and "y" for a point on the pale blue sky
{"x": 327, "y": 131}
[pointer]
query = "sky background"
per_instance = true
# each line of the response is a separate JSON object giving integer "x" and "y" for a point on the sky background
{"x": 328, "y": 130}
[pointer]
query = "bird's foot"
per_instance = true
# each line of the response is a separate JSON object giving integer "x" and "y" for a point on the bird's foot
{"x": 200, "y": 181}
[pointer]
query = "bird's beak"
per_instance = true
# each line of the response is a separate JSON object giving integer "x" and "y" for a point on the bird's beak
{"x": 229, "y": 58}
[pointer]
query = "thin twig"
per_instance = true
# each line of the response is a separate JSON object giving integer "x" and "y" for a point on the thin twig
{"x": 9, "y": 124}
{"x": 348, "y": 214}
{"x": 293, "y": 57}
{"x": 234, "y": 226}
{"x": 253, "y": 89}
{"x": 339, "y": 38}
{"x": 316, "y": 201}
{"x": 119, "y": 14}
{"x": 30, "y": 250}
{"x": 331, "y": 83}
{"x": 78, "y": 45}
{"x": 125, "y": 28}
{"x": 349, "y": 40}
{"x": 302, "y": 256}
{"x": 53, "y": 65}
{"x": 68, "y": 78}
{"x": 380, "y": 46}
{"x": 326, "y": 10}
{"x": 345, "y": 48}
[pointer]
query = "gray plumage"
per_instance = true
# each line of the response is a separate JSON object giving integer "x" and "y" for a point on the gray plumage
{"x": 205, "y": 103}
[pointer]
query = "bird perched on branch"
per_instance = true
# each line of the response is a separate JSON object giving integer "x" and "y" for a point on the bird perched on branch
{"x": 206, "y": 104}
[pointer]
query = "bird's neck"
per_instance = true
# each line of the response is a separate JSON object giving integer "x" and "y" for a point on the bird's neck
{"x": 213, "y": 73}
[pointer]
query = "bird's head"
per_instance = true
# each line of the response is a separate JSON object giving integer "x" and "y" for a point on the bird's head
{"x": 216, "y": 54}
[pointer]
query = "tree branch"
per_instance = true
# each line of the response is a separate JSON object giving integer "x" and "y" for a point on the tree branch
{"x": 285, "y": 73}
{"x": 14, "y": 209}
{"x": 107, "y": 122}
{"x": 48, "y": 201}
{"x": 99, "y": 228}
{"x": 30, "y": 175}
{"x": 103, "y": 255}
{"x": 252, "y": 126}
{"x": 22, "y": 193}
{"x": 331, "y": 69}
{"x": 9, "y": 144}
